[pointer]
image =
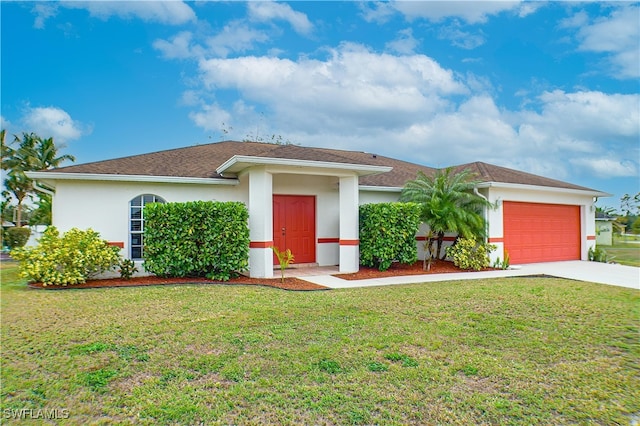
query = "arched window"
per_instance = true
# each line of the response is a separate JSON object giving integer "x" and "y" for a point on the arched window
{"x": 136, "y": 223}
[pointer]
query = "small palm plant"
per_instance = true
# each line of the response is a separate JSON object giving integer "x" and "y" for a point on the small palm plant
{"x": 285, "y": 258}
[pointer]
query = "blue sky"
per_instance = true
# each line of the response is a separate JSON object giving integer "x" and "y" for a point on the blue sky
{"x": 550, "y": 88}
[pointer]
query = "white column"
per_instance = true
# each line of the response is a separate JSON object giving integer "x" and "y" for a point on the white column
{"x": 260, "y": 223}
{"x": 587, "y": 229}
{"x": 349, "y": 232}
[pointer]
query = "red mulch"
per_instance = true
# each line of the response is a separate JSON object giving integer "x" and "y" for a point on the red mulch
{"x": 397, "y": 269}
{"x": 289, "y": 283}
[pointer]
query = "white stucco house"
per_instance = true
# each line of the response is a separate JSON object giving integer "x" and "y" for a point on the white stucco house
{"x": 307, "y": 199}
{"x": 604, "y": 229}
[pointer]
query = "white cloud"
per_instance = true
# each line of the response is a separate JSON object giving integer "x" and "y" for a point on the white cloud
{"x": 211, "y": 117}
{"x": 460, "y": 38}
{"x": 353, "y": 85}
{"x": 469, "y": 11}
{"x": 404, "y": 43}
{"x": 43, "y": 11}
{"x": 617, "y": 35}
{"x": 179, "y": 47}
{"x": 472, "y": 12}
{"x": 265, "y": 11}
{"x": 607, "y": 167}
{"x": 589, "y": 114}
{"x": 235, "y": 37}
{"x": 165, "y": 12}
{"x": 578, "y": 20}
{"x": 52, "y": 121}
{"x": 410, "y": 107}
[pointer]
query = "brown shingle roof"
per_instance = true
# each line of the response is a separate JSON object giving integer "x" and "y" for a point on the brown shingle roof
{"x": 201, "y": 161}
{"x": 490, "y": 173}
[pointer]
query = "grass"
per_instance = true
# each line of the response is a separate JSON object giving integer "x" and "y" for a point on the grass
{"x": 624, "y": 250}
{"x": 508, "y": 351}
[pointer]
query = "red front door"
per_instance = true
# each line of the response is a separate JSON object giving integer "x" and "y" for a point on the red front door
{"x": 294, "y": 226}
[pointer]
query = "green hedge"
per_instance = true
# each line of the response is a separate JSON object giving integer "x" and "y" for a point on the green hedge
{"x": 388, "y": 233}
{"x": 196, "y": 239}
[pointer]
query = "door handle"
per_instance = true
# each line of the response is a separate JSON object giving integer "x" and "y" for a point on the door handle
{"x": 284, "y": 232}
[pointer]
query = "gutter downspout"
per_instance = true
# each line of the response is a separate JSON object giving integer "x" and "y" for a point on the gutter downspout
{"x": 42, "y": 189}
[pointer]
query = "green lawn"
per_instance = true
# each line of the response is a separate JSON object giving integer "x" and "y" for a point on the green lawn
{"x": 624, "y": 250}
{"x": 508, "y": 351}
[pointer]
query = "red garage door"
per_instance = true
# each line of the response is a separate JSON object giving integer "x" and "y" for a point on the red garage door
{"x": 541, "y": 232}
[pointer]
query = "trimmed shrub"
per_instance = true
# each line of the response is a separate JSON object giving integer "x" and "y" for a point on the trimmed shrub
{"x": 71, "y": 259}
{"x": 467, "y": 253}
{"x": 127, "y": 269}
{"x": 196, "y": 239}
{"x": 598, "y": 255}
{"x": 17, "y": 237}
{"x": 388, "y": 233}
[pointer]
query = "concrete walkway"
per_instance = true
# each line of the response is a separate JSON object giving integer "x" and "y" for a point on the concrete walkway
{"x": 602, "y": 273}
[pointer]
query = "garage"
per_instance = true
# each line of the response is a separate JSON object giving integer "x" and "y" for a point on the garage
{"x": 535, "y": 232}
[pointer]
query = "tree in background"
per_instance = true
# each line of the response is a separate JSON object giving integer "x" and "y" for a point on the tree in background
{"x": 630, "y": 208}
{"x": 627, "y": 219}
{"x": 448, "y": 205}
{"x": 29, "y": 153}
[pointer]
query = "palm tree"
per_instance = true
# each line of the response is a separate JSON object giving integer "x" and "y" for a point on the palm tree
{"x": 448, "y": 205}
{"x": 31, "y": 153}
{"x": 46, "y": 155}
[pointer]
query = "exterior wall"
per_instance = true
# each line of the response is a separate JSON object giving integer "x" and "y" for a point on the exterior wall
{"x": 104, "y": 206}
{"x": 372, "y": 197}
{"x": 496, "y": 195}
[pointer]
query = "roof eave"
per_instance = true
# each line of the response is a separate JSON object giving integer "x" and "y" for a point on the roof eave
{"x": 586, "y": 191}
{"x": 238, "y": 163}
{"x": 374, "y": 188}
{"x": 55, "y": 176}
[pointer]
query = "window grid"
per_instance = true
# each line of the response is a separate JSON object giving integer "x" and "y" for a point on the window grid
{"x": 136, "y": 223}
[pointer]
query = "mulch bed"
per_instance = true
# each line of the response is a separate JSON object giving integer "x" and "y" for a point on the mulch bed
{"x": 289, "y": 283}
{"x": 296, "y": 284}
{"x": 399, "y": 269}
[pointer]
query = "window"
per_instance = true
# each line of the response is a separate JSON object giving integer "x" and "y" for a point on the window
{"x": 136, "y": 223}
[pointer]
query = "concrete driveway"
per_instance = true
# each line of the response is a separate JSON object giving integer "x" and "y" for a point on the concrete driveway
{"x": 595, "y": 272}
{"x": 602, "y": 273}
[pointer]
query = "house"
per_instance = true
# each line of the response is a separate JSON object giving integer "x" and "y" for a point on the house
{"x": 306, "y": 199}
{"x": 604, "y": 229}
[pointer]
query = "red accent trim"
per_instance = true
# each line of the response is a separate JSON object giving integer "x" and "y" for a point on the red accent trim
{"x": 349, "y": 242}
{"x": 260, "y": 244}
{"x": 496, "y": 240}
{"x": 328, "y": 240}
{"x": 120, "y": 244}
{"x": 591, "y": 237}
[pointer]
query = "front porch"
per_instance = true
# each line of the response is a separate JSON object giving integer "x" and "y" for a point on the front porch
{"x": 306, "y": 270}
